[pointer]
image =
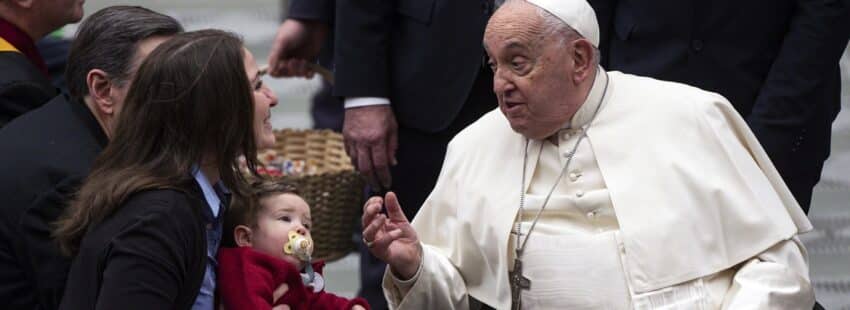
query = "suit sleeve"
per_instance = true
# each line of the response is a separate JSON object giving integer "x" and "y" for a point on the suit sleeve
{"x": 149, "y": 262}
{"x": 49, "y": 266}
{"x": 808, "y": 58}
{"x": 312, "y": 10}
{"x": 605, "y": 17}
{"x": 362, "y": 40}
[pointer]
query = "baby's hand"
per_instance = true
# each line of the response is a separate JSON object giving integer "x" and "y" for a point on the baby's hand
{"x": 358, "y": 307}
{"x": 278, "y": 293}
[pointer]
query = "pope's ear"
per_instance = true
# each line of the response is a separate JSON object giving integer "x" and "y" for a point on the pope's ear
{"x": 584, "y": 56}
{"x": 242, "y": 235}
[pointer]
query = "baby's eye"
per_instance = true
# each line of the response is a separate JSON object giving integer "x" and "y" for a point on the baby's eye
{"x": 259, "y": 85}
{"x": 285, "y": 218}
{"x": 308, "y": 226}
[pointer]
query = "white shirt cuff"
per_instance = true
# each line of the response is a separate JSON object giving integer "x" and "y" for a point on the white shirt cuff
{"x": 356, "y": 102}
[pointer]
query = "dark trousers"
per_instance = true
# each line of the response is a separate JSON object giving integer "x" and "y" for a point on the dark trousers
{"x": 420, "y": 158}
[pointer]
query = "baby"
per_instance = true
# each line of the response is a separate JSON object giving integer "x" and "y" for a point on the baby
{"x": 272, "y": 246}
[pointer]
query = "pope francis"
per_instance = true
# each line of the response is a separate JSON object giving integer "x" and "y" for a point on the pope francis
{"x": 590, "y": 189}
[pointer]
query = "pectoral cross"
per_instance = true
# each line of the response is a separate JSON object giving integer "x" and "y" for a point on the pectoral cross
{"x": 518, "y": 283}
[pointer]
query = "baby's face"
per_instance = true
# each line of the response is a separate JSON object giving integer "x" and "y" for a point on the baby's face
{"x": 279, "y": 215}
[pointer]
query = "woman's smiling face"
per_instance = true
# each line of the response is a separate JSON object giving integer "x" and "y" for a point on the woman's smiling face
{"x": 264, "y": 100}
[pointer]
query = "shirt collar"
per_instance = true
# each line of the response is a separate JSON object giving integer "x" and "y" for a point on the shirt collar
{"x": 210, "y": 195}
{"x": 588, "y": 109}
{"x": 23, "y": 43}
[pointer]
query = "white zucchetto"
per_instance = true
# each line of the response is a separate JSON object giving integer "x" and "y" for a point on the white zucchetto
{"x": 576, "y": 13}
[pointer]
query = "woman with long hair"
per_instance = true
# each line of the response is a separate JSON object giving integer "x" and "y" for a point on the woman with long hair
{"x": 145, "y": 225}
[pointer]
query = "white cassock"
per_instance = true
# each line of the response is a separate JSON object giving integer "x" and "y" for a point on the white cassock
{"x": 669, "y": 203}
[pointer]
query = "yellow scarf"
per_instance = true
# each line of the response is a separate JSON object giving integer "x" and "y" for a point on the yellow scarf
{"x": 5, "y": 46}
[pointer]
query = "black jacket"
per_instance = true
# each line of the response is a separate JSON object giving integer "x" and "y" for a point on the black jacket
{"x": 775, "y": 60}
{"x": 424, "y": 55}
{"x": 313, "y": 10}
{"x": 22, "y": 86}
{"x": 44, "y": 156}
{"x": 150, "y": 254}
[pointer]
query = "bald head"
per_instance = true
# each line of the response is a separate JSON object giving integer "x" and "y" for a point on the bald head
{"x": 543, "y": 68}
{"x": 517, "y": 21}
{"x": 550, "y": 26}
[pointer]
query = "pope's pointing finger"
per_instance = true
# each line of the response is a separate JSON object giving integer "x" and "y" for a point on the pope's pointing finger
{"x": 394, "y": 209}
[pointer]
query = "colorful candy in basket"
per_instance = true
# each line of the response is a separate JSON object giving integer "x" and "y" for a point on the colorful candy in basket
{"x": 275, "y": 165}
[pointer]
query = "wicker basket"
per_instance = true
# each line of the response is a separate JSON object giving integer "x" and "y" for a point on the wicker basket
{"x": 328, "y": 182}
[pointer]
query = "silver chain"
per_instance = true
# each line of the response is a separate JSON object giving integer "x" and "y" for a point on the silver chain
{"x": 521, "y": 246}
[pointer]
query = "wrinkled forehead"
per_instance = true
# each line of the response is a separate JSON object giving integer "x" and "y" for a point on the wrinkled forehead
{"x": 515, "y": 24}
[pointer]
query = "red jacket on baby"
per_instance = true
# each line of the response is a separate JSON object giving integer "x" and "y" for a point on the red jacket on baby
{"x": 248, "y": 278}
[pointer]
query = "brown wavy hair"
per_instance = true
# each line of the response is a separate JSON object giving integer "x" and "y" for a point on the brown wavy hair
{"x": 191, "y": 101}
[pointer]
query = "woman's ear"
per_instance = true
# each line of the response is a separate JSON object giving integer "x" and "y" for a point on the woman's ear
{"x": 242, "y": 235}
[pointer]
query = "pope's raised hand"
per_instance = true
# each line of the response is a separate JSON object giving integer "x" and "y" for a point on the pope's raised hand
{"x": 390, "y": 237}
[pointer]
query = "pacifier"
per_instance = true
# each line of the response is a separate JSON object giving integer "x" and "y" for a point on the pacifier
{"x": 299, "y": 246}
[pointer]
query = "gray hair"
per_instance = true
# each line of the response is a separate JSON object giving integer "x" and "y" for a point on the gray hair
{"x": 557, "y": 28}
{"x": 107, "y": 40}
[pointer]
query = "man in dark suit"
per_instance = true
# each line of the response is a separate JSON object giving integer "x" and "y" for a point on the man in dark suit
{"x": 24, "y": 82}
{"x": 775, "y": 60}
{"x": 45, "y": 154}
{"x": 413, "y": 74}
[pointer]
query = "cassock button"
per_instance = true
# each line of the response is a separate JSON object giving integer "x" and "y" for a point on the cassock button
{"x": 591, "y": 214}
{"x": 565, "y": 135}
{"x": 574, "y": 176}
{"x": 579, "y": 194}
